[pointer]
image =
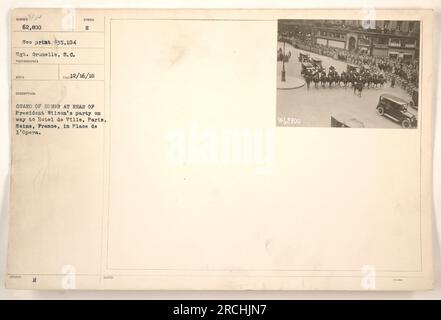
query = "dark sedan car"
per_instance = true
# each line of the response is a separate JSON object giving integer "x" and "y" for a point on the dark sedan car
{"x": 395, "y": 108}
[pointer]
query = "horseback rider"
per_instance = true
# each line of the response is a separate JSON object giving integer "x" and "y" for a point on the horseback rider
{"x": 308, "y": 78}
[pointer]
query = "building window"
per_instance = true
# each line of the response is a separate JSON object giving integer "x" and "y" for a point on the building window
{"x": 399, "y": 23}
{"x": 395, "y": 42}
{"x": 382, "y": 41}
{"x": 364, "y": 40}
{"x": 411, "y": 26}
{"x": 409, "y": 43}
{"x": 393, "y": 55}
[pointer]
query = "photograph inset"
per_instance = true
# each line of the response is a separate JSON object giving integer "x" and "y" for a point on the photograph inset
{"x": 348, "y": 73}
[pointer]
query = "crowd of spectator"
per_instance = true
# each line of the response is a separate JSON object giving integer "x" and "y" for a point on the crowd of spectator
{"x": 403, "y": 72}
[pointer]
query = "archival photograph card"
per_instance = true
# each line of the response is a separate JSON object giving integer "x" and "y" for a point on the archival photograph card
{"x": 221, "y": 149}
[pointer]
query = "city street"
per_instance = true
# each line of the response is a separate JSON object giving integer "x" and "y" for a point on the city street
{"x": 314, "y": 107}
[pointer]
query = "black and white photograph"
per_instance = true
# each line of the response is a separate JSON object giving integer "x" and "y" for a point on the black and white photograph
{"x": 348, "y": 73}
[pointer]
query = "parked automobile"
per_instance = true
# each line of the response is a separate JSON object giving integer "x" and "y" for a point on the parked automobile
{"x": 303, "y": 57}
{"x": 352, "y": 68}
{"x": 395, "y": 108}
{"x": 316, "y": 62}
{"x": 365, "y": 67}
{"x": 305, "y": 67}
{"x": 344, "y": 120}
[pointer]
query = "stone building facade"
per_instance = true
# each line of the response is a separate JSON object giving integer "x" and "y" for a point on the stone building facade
{"x": 393, "y": 39}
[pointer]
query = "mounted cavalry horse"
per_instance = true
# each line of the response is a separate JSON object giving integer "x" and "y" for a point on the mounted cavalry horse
{"x": 378, "y": 80}
{"x": 323, "y": 79}
{"x": 358, "y": 77}
{"x": 316, "y": 79}
{"x": 358, "y": 85}
{"x": 344, "y": 78}
{"x": 333, "y": 76}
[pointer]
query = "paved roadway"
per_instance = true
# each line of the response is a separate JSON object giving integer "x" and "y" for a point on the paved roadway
{"x": 314, "y": 107}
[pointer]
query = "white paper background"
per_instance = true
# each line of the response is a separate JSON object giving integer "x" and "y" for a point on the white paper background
{"x": 5, "y": 7}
